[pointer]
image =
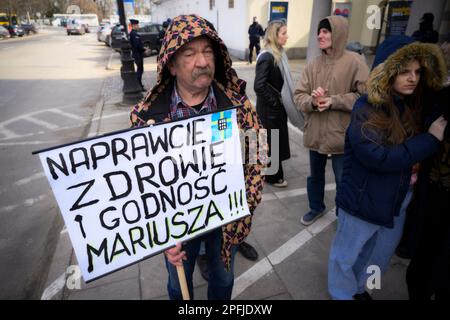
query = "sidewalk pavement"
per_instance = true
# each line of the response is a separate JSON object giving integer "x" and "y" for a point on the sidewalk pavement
{"x": 293, "y": 259}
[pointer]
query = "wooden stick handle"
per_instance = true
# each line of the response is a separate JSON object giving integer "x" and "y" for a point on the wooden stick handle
{"x": 183, "y": 283}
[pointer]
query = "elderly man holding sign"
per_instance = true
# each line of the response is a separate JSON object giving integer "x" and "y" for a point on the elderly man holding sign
{"x": 176, "y": 178}
{"x": 195, "y": 77}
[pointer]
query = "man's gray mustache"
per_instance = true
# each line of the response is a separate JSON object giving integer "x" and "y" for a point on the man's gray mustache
{"x": 200, "y": 72}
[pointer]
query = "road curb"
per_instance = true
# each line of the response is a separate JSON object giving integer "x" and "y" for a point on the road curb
{"x": 57, "y": 275}
{"x": 56, "y": 279}
{"x": 95, "y": 125}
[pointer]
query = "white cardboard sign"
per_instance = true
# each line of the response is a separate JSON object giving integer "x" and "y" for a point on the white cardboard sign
{"x": 130, "y": 195}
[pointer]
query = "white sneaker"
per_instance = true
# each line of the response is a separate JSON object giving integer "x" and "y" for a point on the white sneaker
{"x": 280, "y": 184}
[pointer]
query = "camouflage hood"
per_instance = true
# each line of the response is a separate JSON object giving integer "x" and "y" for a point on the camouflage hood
{"x": 182, "y": 30}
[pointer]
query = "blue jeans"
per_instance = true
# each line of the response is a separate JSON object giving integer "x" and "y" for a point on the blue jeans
{"x": 357, "y": 245}
{"x": 316, "y": 181}
{"x": 220, "y": 285}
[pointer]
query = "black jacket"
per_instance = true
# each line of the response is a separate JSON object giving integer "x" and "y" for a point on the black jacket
{"x": 136, "y": 45}
{"x": 426, "y": 214}
{"x": 255, "y": 31}
{"x": 269, "y": 106}
{"x": 426, "y": 34}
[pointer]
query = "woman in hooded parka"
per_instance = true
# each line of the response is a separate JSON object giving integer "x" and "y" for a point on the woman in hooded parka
{"x": 383, "y": 144}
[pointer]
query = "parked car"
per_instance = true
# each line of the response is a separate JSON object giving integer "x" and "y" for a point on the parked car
{"x": 149, "y": 33}
{"x": 30, "y": 28}
{"x": 117, "y": 34}
{"x": 102, "y": 31}
{"x": 4, "y": 33}
{"x": 73, "y": 27}
{"x": 15, "y": 30}
{"x": 63, "y": 22}
{"x": 99, "y": 29}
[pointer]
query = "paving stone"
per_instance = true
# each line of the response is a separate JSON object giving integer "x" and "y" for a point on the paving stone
{"x": 121, "y": 290}
{"x": 266, "y": 287}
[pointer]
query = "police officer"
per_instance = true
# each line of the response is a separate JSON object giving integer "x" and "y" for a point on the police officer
{"x": 138, "y": 50}
{"x": 255, "y": 32}
{"x": 162, "y": 33}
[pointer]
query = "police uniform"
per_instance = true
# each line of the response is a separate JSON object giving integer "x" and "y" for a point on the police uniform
{"x": 138, "y": 49}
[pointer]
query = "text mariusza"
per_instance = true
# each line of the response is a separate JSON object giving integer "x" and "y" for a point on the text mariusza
{"x": 178, "y": 179}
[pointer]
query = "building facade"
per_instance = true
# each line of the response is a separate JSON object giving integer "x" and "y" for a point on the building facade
{"x": 232, "y": 18}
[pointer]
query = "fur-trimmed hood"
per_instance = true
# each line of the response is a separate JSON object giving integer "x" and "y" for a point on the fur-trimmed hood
{"x": 430, "y": 57}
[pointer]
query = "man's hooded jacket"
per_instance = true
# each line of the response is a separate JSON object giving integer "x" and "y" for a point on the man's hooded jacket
{"x": 229, "y": 90}
{"x": 343, "y": 74}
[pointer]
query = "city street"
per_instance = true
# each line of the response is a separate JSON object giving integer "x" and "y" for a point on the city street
{"x": 49, "y": 85}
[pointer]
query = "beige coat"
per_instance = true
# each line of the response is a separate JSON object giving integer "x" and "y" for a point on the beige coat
{"x": 343, "y": 74}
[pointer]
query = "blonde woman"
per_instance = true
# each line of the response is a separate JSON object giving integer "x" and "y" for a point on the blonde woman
{"x": 273, "y": 87}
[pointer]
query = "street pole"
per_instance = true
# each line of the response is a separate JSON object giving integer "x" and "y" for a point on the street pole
{"x": 28, "y": 11}
{"x": 382, "y": 5}
{"x": 10, "y": 13}
{"x": 131, "y": 87}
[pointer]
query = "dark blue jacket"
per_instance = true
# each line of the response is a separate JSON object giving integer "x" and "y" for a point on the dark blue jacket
{"x": 136, "y": 45}
{"x": 389, "y": 46}
{"x": 376, "y": 177}
{"x": 255, "y": 31}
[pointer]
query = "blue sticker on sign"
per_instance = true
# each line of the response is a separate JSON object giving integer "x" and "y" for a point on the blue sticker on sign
{"x": 221, "y": 126}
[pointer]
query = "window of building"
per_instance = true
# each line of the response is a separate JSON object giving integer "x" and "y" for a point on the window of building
{"x": 231, "y": 4}
{"x": 212, "y": 3}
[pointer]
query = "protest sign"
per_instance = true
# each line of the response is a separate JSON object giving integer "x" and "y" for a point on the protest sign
{"x": 129, "y": 195}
